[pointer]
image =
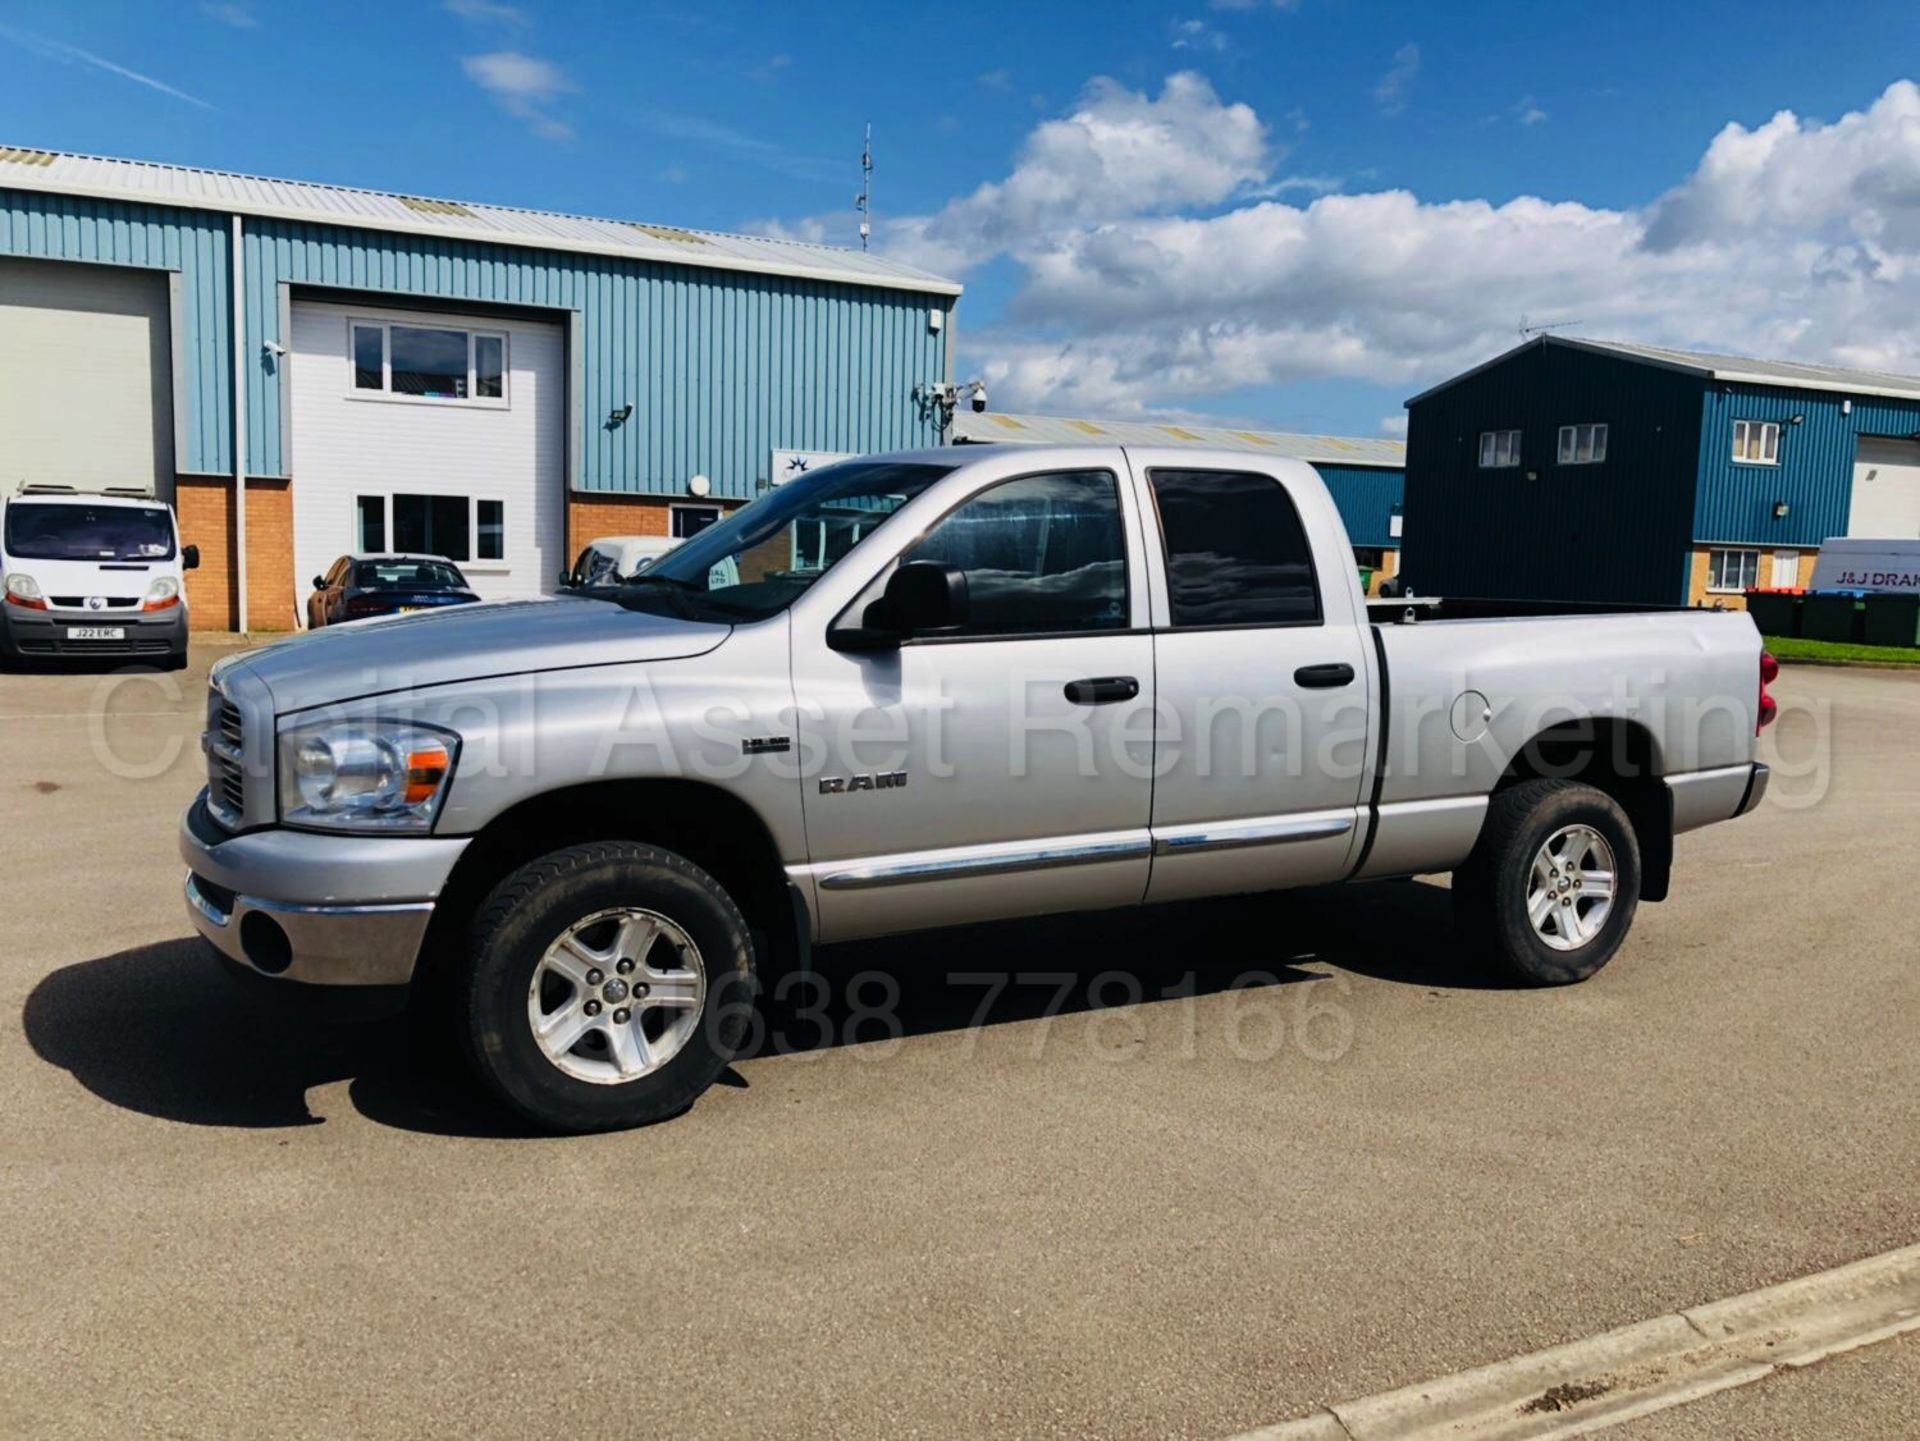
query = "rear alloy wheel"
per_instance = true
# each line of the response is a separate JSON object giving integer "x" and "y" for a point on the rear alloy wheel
{"x": 1550, "y": 890}
{"x": 609, "y": 985}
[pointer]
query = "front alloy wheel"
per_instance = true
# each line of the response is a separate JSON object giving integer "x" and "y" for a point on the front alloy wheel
{"x": 617, "y": 996}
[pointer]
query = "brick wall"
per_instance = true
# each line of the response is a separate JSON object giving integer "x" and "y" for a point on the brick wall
{"x": 1702, "y": 565}
{"x": 205, "y": 507}
{"x": 590, "y": 517}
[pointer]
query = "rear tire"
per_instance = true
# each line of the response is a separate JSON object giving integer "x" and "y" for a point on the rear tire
{"x": 1551, "y": 888}
{"x": 608, "y": 986}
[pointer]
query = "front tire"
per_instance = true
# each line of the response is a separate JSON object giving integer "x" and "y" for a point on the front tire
{"x": 1551, "y": 888}
{"x": 608, "y": 986}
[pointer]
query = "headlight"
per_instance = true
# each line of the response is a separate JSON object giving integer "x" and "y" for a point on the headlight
{"x": 163, "y": 594}
{"x": 364, "y": 775}
{"x": 24, "y": 591}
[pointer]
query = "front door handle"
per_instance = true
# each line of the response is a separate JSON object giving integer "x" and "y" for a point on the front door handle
{"x": 1324, "y": 677}
{"x": 1102, "y": 690}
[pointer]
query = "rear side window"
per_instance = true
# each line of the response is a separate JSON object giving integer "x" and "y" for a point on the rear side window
{"x": 1043, "y": 554}
{"x": 1237, "y": 553}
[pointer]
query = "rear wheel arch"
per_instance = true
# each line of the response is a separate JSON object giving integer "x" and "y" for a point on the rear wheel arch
{"x": 1621, "y": 757}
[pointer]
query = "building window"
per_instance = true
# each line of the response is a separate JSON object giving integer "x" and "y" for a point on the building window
{"x": 1733, "y": 570}
{"x": 1499, "y": 449}
{"x": 373, "y": 524}
{"x": 490, "y": 529}
{"x": 1236, "y": 551}
{"x": 369, "y": 357}
{"x": 690, "y": 520}
{"x": 429, "y": 363}
{"x": 1756, "y": 442}
{"x": 1583, "y": 444}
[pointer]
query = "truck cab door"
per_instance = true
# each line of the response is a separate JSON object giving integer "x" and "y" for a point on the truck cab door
{"x": 1264, "y": 672}
{"x": 1002, "y": 767}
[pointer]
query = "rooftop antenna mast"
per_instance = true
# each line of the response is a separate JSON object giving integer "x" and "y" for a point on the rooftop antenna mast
{"x": 863, "y": 202}
{"x": 1546, "y": 326}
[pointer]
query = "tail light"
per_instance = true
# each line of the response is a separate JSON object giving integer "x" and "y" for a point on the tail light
{"x": 1769, "y": 707}
{"x": 363, "y": 605}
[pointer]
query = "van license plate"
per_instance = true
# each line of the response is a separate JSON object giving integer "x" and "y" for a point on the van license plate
{"x": 96, "y": 632}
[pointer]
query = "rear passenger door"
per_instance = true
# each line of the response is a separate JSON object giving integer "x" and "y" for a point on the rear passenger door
{"x": 1262, "y": 678}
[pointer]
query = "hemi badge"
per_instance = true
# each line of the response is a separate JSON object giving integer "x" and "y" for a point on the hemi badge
{"x": 766, "y": 745}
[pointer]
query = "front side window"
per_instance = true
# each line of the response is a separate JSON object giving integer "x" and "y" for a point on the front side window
{"x": 1583, "y": 444}
{"x": 1499, "y": 449}
{"x": 428, "y": 362}
{"x": 39, "y": 531}
{"x": 1756, "y": 442}
{"x": 760, "y": 559}
{"x": 1733, "y": 569}
{"x": 1043, "y": 554}
{"x": 1237, "y": 553}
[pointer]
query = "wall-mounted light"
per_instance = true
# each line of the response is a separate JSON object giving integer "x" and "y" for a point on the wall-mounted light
{"x": 699, "y": 485}
{"x": 620, "y": 415}
{"x": 1780, "y": 509}
{"x": 1796, "y": 420}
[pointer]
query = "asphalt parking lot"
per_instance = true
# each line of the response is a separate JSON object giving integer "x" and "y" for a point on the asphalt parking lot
{"x": 1319, "y": 1159}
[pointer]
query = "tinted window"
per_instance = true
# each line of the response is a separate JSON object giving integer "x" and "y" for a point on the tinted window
{"x": 689, "y": 520}
{"x": 373, "y": 522}
{"x": 431, "y": 525}
{"x": 489, "y": 367}
{"x": 39, "y": 531}
{"x": 407, "y": 575}
{"x": 1042, "y": 553}
{"x": 1236, "y": 551}
{"x": 369, "y": 356}
{"x": 491, "y": 518}
{"x": 432, "y": 363}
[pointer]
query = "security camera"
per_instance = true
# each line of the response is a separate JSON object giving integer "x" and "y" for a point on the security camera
{"x": 979, "y": 398}
{"x": 273, "y": 347}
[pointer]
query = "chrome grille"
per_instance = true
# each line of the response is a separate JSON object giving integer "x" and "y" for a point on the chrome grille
{"x": 226, "y": 762}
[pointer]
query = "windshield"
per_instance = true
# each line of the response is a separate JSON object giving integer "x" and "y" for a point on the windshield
{"x": 407, "y": 575}
{"x": 760, "y": 559}
{"x": 38, "y": 530}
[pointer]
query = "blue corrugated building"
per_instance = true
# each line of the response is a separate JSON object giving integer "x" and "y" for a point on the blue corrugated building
{"x": 1578, "y": 469}
{"x": 496, "y": 384}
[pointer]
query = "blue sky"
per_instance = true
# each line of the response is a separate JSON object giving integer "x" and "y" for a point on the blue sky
{"x": 1295, "y": 214}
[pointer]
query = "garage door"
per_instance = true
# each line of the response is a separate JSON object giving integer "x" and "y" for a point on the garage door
{"x": 1886, "y": 489}
{"x": 86, "y": 391}
{"x": 435, "y": 433}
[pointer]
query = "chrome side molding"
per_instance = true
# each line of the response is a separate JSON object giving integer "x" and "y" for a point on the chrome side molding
{"x": 990, "y": 863}
{"x": 1259, "y": 831}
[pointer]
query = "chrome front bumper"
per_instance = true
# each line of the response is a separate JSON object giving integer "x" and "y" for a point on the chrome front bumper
{"x": 276, "y": 902}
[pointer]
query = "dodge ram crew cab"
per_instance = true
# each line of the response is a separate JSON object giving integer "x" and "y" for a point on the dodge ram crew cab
{"x": 925, "y": 689}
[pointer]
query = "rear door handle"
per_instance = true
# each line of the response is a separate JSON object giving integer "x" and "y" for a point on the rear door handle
{"x": 1324, "y": 677}
{"x": 1102, "y": 690}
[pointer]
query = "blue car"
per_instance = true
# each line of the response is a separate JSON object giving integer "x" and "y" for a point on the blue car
{"x": 358, "y": 586}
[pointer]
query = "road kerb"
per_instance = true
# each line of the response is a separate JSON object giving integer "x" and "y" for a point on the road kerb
{"x": 1603, "y": 1380}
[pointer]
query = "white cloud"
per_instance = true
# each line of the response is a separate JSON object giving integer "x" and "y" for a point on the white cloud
{"x": 487, "y": 12}
{"x": 1528, "y": 112}
{"x": 67, "y": 54}
{"x": 1394, "y": 425}
{"x": 1798, "y": 238}
{"x": 228, "y": 13}
{"x": 1119, "y": 154}
{"x": 1391, "y": 91}
{"x": 525, "y": 86}
{"x": 1198, "y": 35}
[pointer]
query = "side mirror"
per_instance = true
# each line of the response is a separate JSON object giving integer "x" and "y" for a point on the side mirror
{"x": 189, "y": 557}
{"x": 319, "y": 582}
{"x": 923, "y": 597}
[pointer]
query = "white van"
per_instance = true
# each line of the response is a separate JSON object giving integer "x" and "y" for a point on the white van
{"x": 93, "y": 575}
{"x": 614, "y": 558}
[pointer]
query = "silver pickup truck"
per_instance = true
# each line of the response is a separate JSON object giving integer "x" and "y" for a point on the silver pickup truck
{"x": 924, "y": 689}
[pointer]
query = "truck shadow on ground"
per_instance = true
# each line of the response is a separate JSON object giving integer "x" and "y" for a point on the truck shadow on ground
{"x": 161, "y": 1030}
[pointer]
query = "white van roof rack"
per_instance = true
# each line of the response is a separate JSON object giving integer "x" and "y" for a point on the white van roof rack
{"x": 49, "y": 487}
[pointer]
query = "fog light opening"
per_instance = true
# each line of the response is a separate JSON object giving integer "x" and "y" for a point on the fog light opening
{"x": 265, "y": 941}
